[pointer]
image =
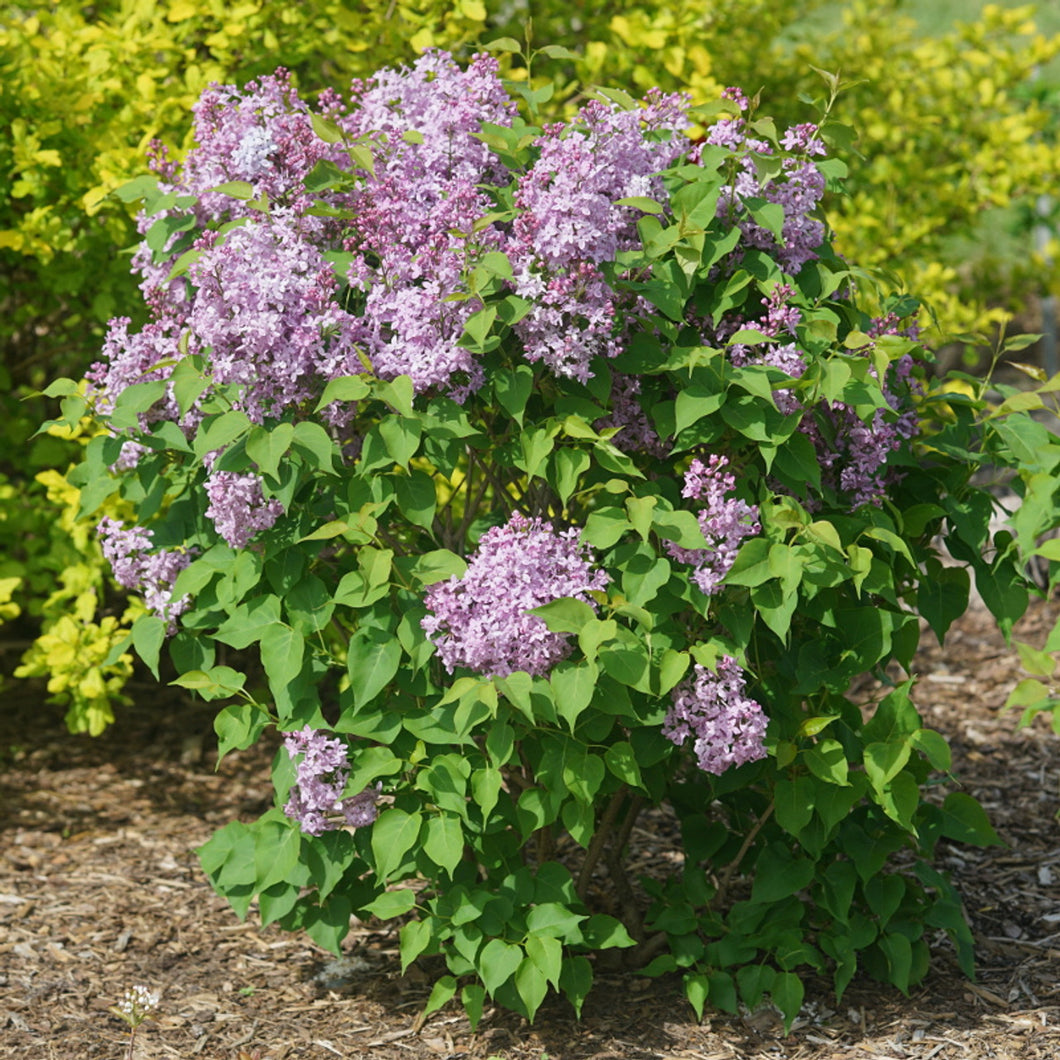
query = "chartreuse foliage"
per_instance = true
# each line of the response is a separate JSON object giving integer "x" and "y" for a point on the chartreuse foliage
{"x": 503, "y": 797}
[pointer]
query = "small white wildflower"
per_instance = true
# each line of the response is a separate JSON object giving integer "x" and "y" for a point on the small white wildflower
{"x": 136, "y": 1005}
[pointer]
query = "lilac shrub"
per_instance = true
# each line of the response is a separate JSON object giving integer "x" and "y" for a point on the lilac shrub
{"x": 531, "y": 478}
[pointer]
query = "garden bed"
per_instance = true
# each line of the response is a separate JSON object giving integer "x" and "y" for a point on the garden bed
{"x": 100, "y": 890}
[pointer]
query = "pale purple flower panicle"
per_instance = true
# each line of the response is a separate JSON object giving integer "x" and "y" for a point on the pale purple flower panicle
{"x": 635, "y": 431}
{"x": 480, "y": 621}
{"x": 149, "y": 573}
{"x": 238, "y": 508}
{"x": 315, "y": 799}
{"x": 853, "y": 454}
{"x": 265, "y": 307}
{"x": 798, "y": 187}
{"x": 570, "y": 224}
{"x": 711, "y": 709}
{"x": 725, "y": 522}
{"x": 413, "y": 226}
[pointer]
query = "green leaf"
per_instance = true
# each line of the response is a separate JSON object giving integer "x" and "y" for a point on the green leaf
{"x": 565, "y": 615}
{"x": 828, "y": 762}
{"x": 415, "y": 936}
{"x": 554, "y": 920}
{"x": 884, "y": 761}
{"x": 605, "y": 526}
{"x": 267, "y": 448}
{"x": 794, "y": 801}
{"x": 535, "y": 447}
{"x": 393, "y": 835}
{"x": 603, "y": 932}
{"x": 697, "y": 990}
{"x": 238, "y": 726}
{"x": 391, "y": 904}
{"x": 401, "y": 434}
{"x": 621, "y": 760}
{"x": 566, "y": 466}
{"x": 148, "y": 635}
{"x": 576, "y": 980}
{"x": 512, "y": 390}
{"x": 965, "y": 821}
{"x": 281, "y": 649}
{"x": 531, "y": 984}
{"x": 416, "y": 497}
{"x": 473, "y": 997}
{"x": 344, "y": 388}
{"x": 672, "y": 668}
{"x": 934, "y": 747}
{"x": 547, "y": 953}
{"x": 372, "y": 661}
{"x": 315, "y": 446}
{"x": 443, "y": 991}
{"x": 779, "y": 873}
{"x": 486, "y": 784}
{"x": 573, "y": 685}
{"x": 217, "y": 432}
{"x": 443, "y": 841}
{"x": 219, "y": 682}
{"x": 787, "y": 994}
{"x": 328, "y": 131}
{"x": 497, "y": 963}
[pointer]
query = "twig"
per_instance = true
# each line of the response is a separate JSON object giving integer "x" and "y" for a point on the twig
{"x": 733, "y": 865}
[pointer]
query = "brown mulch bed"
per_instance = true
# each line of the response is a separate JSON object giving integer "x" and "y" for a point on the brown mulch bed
{"x": 100, "y": 890}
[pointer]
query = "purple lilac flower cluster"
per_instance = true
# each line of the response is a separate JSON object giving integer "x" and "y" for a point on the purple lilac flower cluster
{"x": 480, "y": 620}
{"x": 315, "y": 800}
{"x": 149, "y": 573}
{"x": 412, "y": 233}
{"x": 238, "y": 508}
{"x": 570, "y": 224}
{"x": 854, "y": 454}
{"x": 711, "y": 707}
{"x": 635, "y": 432}
{"x": 725, "y": 522}
{"x": 781, "y": 319}
{"x": 798, "y": 187}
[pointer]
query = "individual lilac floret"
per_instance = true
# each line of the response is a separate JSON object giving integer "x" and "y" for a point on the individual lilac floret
{"x": 711, "y": 708}
{"x": 238, "y": 507}
{"x": 136, "y": 567}
{"x": 725, "y": 522}
{"x": 480, "y": 621}
{"x": 320, "y": 778}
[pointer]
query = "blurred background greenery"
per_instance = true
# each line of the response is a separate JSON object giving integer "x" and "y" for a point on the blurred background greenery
{"x": 954, "y": 112}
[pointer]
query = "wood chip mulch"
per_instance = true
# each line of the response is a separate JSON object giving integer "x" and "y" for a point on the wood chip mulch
{"x": 100, "y": 890}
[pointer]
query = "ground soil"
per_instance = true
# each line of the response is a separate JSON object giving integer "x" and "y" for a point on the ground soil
{"x": 100, "y": 890}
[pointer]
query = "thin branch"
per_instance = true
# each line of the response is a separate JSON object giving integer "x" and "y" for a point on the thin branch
{"x": 733, "y": 865}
